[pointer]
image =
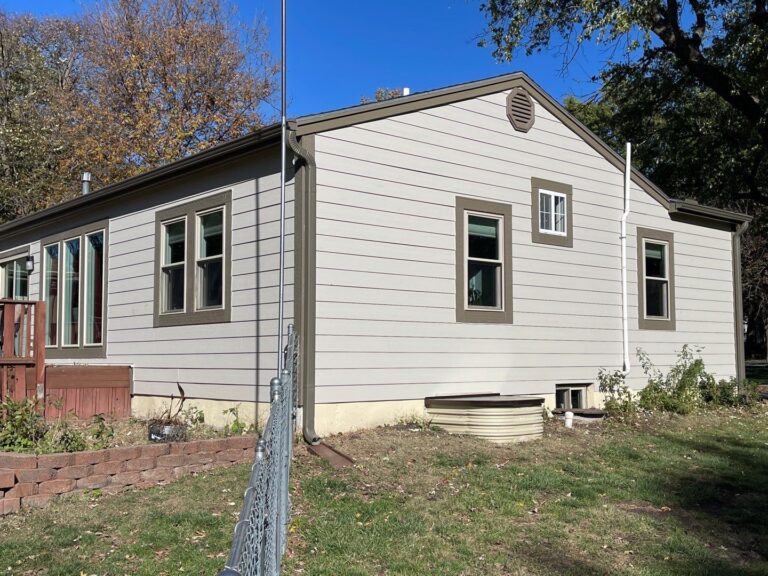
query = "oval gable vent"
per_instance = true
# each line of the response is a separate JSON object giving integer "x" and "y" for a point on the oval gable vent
{"x": 520, "y": 109}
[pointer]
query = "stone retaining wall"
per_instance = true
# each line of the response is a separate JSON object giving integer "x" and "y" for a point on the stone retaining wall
{"x": 29, "y": 480}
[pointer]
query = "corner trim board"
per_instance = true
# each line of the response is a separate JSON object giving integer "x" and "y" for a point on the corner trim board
{"x": 738, "y": 305}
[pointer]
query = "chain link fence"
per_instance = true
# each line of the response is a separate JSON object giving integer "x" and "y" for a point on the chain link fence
{"x": 261, "y": 530}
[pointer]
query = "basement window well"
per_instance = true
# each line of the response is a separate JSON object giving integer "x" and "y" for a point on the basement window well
{"x": 571, "y": 396}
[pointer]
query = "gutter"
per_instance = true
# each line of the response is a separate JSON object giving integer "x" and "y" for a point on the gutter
{"x": 262, "y": 138}
{"x": 305, "y": 194}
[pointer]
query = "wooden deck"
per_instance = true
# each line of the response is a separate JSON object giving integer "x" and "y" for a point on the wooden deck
{"x": 79, "y": 390}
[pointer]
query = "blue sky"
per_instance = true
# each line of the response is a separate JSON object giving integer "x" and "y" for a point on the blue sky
{"x": 340, "y": 51}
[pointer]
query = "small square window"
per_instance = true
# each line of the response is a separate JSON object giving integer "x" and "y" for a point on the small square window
{"x": 551, "y": 213}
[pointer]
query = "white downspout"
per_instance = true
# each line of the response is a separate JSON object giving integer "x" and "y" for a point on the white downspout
{"x": 624, "y": 306}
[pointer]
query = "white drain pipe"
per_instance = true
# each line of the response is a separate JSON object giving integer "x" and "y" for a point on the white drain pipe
{"x": 624, "y": 304}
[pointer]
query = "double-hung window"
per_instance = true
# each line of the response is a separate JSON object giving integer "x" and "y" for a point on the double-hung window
{"x": 655, "y": 262}
{"x": 551, "y": 213}
{"x": 14, "y": 278}
{"x": 483, "y": 261}
{"x": 74, "y": 288}
{"x": 193, "y": 255}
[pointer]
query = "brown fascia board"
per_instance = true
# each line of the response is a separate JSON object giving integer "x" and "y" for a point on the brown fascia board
{"x": 345, "y": 117}
{"x": 324, "y": 122}
{"x": 689, "y": 207}
{"x": 257, "y": 140}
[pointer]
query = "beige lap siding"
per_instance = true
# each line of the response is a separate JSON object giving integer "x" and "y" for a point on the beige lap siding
{"x": 386, "y": 318}
{"x": 219, "y": 361}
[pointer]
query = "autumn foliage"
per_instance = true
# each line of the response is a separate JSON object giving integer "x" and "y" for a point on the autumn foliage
{"x": 132, "y": 85}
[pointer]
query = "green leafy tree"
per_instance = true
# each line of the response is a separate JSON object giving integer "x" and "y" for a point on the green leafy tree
{"x": 720, "y": 46}
{"x": 687, "y": 83}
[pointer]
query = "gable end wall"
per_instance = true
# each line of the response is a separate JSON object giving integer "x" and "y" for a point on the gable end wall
{"x": 386, "y": 320}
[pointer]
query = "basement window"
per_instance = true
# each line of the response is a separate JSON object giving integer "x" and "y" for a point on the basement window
{"x": 571, "y": 396}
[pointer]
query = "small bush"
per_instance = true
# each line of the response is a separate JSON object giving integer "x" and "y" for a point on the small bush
{"x": 100, "y": 432}
{"x": 749, "y": 393}
{"x": 22, "y": 427}
{"x": 680, "y": 391}
{"x": 618, "y": 397}
{"x": 688, "y": 386}
{"x": 61, "y": 436}
{"x": 237, "y": 427}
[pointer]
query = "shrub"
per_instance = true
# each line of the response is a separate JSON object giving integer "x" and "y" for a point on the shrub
{"x": 62, "y": 437}
{"x": 100, "y": 432}
{"x": 618, "y": 397}
{"x": 688, "y": 386}
{"x": 21, "y": 425}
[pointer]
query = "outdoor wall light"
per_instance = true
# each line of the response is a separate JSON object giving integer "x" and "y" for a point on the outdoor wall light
{"x": 30, "y": 263}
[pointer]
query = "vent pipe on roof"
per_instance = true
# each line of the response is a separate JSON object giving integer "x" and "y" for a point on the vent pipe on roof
{"x": 406, "y": 91}
{"x": 86, "y": 183}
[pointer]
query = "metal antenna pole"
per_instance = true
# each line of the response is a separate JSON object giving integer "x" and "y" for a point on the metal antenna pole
{"x": 281, "y": 295}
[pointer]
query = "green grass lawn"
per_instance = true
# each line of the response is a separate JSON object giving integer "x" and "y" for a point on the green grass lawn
{"x": 183, "y": 528}
{"x": 670, "y": 496}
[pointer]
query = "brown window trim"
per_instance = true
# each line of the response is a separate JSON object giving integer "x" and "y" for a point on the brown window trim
{"x": 655, "y": 323}
{"x": 539, "y": 237}
{"x": 81, "y": 351}
{"x": 10, "y": 256}
{"x": 189, "y": 210}
{"x": 489, "y": 316}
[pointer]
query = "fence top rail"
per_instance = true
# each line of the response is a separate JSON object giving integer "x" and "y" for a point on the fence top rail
{"x": 18, "y": 301}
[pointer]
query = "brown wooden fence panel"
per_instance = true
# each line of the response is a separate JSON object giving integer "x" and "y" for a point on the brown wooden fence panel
{"x": 88, "y": 390}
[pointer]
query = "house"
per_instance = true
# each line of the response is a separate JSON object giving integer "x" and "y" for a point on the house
{"x": 457, "y": 241}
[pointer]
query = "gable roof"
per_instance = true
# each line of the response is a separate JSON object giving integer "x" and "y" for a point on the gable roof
{"x": 315, "y": 123}
{"x": 424, "y": 100}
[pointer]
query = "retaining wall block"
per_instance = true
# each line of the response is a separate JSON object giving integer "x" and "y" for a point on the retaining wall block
{"x": 57, "y": 486}
{"x": 55, "y": 460}
{"x": 35, "y": 475}
{"x": 75, "y": 472}
{"x": 17, "y": 461}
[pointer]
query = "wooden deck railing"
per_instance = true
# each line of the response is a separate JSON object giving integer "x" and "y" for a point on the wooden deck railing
{"x": 23, "y": 347}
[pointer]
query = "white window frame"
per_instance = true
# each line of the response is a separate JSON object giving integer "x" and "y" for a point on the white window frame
{"x": 163, "y": 266}
{"x": 44, "y": 290}
{"x": 553, "y": 194}
{"x": 62, "y": 287}
{"x": 86, "y": 283}
{"x": 500, "y": 261}
{"x": 4, "y": 272}
{"x": 222, "y": 257}
{"x": 646, "y": 277}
